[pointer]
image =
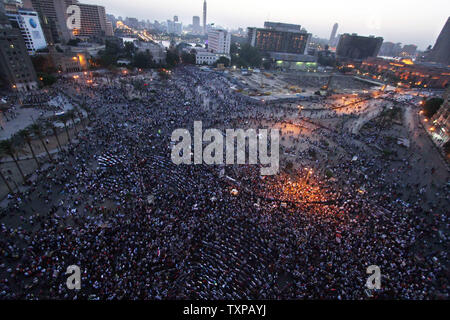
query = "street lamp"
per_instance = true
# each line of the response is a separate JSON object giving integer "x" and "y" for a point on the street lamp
{"x": 310, "y": 172}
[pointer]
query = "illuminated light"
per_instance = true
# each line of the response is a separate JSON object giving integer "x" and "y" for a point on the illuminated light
{"x": 234, "y": 192}
{"x": 432, "y": 129}
{"x": 407, "y": 61}
{"x": 14, "y": 86}
{"x": 426, "y": 120}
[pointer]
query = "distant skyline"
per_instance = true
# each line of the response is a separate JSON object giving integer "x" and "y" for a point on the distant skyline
{"x": 408, "y": 22}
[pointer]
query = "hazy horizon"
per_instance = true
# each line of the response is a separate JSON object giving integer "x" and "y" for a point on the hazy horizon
{"x": 408, "y": 22}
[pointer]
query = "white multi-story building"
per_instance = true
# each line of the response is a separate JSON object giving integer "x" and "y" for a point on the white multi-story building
{"x": 208, "y": 58}
{"x": 30, "y": 27}
{"x": 219, "y": 41}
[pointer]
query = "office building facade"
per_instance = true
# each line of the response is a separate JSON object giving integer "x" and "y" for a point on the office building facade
{"x": 93, "y": 21}
{"x": 278, "y": 37}
{"x": 16, "y": 70}
{"x": 219, "y": 41}
{"x": 54, "y": 13}
{"x": 196, "y": 27}
{"x": 53, "y": 18}
{"x": 28, "y": 22}
{"x": 353, "y": 46}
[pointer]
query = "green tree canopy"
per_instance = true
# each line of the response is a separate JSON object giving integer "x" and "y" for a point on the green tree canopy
{"x": 432, "y": 106}
{"x": 143, "y": 60}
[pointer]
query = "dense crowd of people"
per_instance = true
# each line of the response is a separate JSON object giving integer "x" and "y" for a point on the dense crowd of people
{"x": 140, "y": 227}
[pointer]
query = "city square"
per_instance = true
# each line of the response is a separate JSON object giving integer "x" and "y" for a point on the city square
{"x": 88, "y": 180}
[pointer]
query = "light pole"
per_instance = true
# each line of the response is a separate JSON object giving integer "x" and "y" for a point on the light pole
{"x": 310, "y": 172}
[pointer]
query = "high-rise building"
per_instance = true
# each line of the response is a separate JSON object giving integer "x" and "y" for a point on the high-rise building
{"x": 53, "y": 13}
{"x": 441, "y": 50}
{"x": 16, "y": 70}
{"x": 109, "y": 29}
{"x": 11, "y": 4}
{"x": 93, "y": 21}
{"x": 358, "y": 47}
{"x": 409, "y": 50}
{"x": 333, "y": 33}
{"x": 205, "y": 7}
{"x": 278, "y": 37}
{"x": 196, "y": 28}
{"x": 390, "y": 49}
{"x": 280, "y": 26}
{"x": 53, "y": 18}
{"x": 219, "y": 41}
{"x": 175, "y": 18}
{"x": 174, "y": 27}
{"x": 27, "y": 21}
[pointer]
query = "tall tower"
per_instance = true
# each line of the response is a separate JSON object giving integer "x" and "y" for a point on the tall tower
{"x": 204, "y": 16}
{"x": 333, "y": 32}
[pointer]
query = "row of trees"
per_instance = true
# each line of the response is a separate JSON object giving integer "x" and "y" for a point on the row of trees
{"x": 245, "y": 56}
{"x": 431, "y": 106}
{"x": 24, "y": 139}
{"x": 143, "y": 60}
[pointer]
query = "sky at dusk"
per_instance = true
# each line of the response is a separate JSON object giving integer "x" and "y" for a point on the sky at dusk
{"x": 408, "y": 22}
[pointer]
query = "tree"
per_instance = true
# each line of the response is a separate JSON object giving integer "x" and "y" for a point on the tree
{"x": 432, "y": 106}
{"x": 6, "y": 182}
{"x": 43, "y": 64}
{"x": 86, "y": 109}
{"x": 223, "y": 60}
{"x": 250, "y": 56}
{"x": 7, "y": 147}
{"x": 188, "y": 58}
{"x": 65, "y": 119}
{"x": 106, "y": 60}
{"x": 55, "y": 133}
{"x": 71, "y": 115}
{"x": 267, "y": 64}
{"x": 47, "y": 79}
{"x": 143, "y": 60}
{"x": 37, "y": 130}
{"x": 447, "y": 148}
{"x": 129, "y": 49}
{"x": 25, "y": 135}
{"x": 80, "y": 115}
{"x": 172, "y": 59}
{"x": 112, "y": 48}
{"x": 74, "y": 42}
